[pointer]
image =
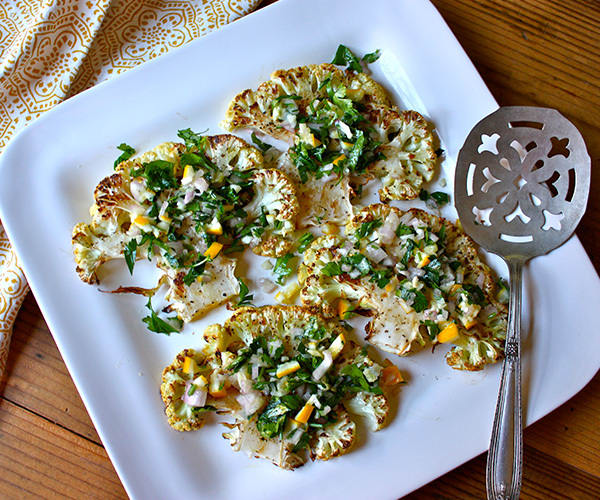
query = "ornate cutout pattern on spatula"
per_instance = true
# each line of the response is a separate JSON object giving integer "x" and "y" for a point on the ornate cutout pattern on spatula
{"x": 520, "y": 179}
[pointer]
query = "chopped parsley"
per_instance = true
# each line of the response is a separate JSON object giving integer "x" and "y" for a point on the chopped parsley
{"x": 283, "y": 268}
{"x": 345, "y": 57}
{"x": 415, "y": 298}
{"x": 432, "y": 328}
{"x": 304, "y": 241}
{"x": 159, "y": 175}
{"x": 193, "y": 139}
{"x": 437, "y": 199}
{"x": 474, "y": 294}
{"x": 127, "y": 153}
{"x": 372, "y": 56}
{"x": 263, "y": 146}
{"x": 366, "y": 228}
{"x": 130, "y": 254}
{"x": 245, "y": 298}
{"x": 156, "y": 324}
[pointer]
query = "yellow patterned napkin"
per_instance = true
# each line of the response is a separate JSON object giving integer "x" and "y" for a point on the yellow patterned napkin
{"x": 52, "y": 49}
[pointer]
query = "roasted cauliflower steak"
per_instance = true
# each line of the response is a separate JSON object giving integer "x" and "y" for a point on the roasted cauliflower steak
{"x": 420, "y": 277}
{"x": 289, "y": 377}
{"x": 343, "y": 131}
{"x": 187, "y": 205}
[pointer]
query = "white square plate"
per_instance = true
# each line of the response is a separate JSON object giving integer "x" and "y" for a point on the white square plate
{"x": 443, "y": 417}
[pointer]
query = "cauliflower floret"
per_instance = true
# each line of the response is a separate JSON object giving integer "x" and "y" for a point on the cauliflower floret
{"x": 152, "y": 205}
{"x": 409, "y": 156}
{"x": 228, "y": 152}
{"x": 374, "y": 407}
{"x": 322, "y": 291}
{"x": 473, "y": 353}
{"x": 334, "y": 439}
{"x": 181, "y": 416}
{"x": 277, "y": 322}
{"x": 95, "y": 244}
{"x": 395, "y": 326}
{"x": 363, "y": 129}
{"x": 275, "y": 200}
{"x": 312, "y": 253}
{"x": 118, "y": 199}
{"x": 217, "y": 338}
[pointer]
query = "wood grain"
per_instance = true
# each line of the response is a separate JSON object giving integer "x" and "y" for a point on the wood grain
{"x": 41, "y": 460}
{"x": 531, "y": 52}
{"x": 37, "y": 378}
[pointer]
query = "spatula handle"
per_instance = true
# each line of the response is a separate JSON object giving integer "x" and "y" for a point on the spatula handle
{"x": 505, "y": 456}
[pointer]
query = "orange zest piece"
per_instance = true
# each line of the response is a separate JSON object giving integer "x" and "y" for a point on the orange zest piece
{"x": 218, "y": 394}
{"x": 470, "y": 324}
{"x": 304, "y": 414}
{"x": 344, "y": 308}
{"x": 424, "y": 261}
{"x": 339, "y": 159}
{"x": 213, "y": 250}
{"x": 189, "y": 365}
{"x": 448, "y": 334}
{"x": 391, "y": 375}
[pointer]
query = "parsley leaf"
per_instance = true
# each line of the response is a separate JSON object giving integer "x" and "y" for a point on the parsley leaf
{"x": 245, "y": 298}
{"x": 440, "y": 198}
{"x": 432, "y": 328}
{"x": 158, "y": 325}
{"x": 366, "y": 228}
{"x": 410, "y": 247}
{"x": 192, "y": 139}
{"x": 475, "y": 294}
{"x": 413, "y": 297}
{"x": 196, "y": 269}
{"x": 344, "y": 56}
{"x": 128, "y": 152}
{"x": 382, "y": 277}
{"x": 196, "y": 159}
{"x": 372, "y": 56}
{"x": 159, "y": 175}
{"x": 243, "y": 356}
{"x": 304, "y": 241}
{"x": 356, "y": 381}
{"x": 263, "y": 146}
{"x": 271, "y": 421}
{"x": 437, "y": 199}
{"x": 283, "y": 268}
{"x": 130, "y": 254}
{"x": 331, "y": 269}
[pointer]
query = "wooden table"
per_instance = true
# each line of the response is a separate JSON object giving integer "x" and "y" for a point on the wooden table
{"x": 530, "y": 52}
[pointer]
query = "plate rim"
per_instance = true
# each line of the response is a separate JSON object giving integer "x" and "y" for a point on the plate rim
{"x": 13, "y": 231}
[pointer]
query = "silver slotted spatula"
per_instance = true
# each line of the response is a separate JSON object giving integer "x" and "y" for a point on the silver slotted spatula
{"x": 521, "y": 187}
